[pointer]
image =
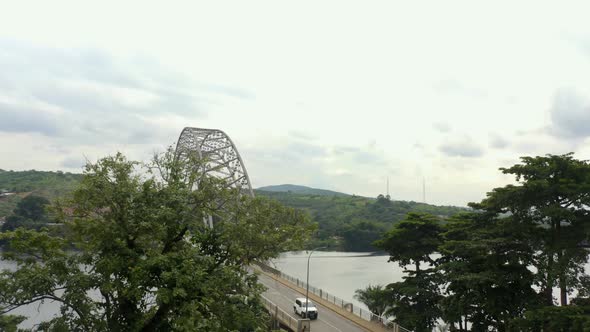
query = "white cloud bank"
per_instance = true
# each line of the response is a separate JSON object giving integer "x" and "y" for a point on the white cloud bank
{"x": 331, "y": 94}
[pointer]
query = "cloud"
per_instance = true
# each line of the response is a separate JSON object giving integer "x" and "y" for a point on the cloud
{"x": 461, "y": 148}
{"x": 304, "y": 150}
{"x": 85, "y": 96}
{"x": 442, "y": 127}
{"x": 230, "y": 91}
{"x": 498, "y": 142}
{"x": 367, "y": 156}
{"x": 303, "y": 135}
{"x": 453, "y": 86}
{"x": 21, "y": 117}
{"x": 570, "y": 115}
{"x": 75, "y": 163}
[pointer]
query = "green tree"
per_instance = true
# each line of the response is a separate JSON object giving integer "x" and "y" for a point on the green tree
{"x": 374, "y": 297}
{"x": 414, "y": 302}
{"x": 262, "y": 228}
{"x": 143, "y": 258}
{"x": 30, "y": 212}
{"x": 9, "y": 323}
{"x": 484, "y": 264}
{"x": 411, "y": 242}
{"x": 359, "y": 235}
{"x": 553, "y": 193}
{"x": 552, "y": 318}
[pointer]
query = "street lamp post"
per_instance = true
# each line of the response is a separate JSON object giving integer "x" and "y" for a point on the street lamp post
{"x": 307, "y": 282}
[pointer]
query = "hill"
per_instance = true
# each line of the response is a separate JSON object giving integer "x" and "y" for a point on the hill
{"x": 352, "y": 223}
{"x": 346, "y": 222}
{"x": 301, "y": 190}
{"x": 47, "y": 184}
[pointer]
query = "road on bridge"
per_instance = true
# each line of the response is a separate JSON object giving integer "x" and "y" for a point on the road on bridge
{"x": 284, "y": 297}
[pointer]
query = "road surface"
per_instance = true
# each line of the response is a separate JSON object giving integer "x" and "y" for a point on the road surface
{"x": 284, "y": 297}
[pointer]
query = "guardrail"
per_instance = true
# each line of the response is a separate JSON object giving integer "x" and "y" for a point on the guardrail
{"x": 347, "y": 305}
{"x": 280, "y": 314}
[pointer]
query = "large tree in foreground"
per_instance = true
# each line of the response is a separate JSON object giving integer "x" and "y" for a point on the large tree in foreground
{"x": 411, "y": 242}
{"x": 484, "y": 267}
{"x": 553, "y": 194}
{"x": 137, "y": 255}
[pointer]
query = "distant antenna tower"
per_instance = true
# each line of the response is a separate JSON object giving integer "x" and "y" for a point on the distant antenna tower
{"x": 387, "y": 189}
{"x": 423, "y": 190}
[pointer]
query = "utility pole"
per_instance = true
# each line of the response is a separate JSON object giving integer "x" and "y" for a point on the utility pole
{"x": 307, "y": 282}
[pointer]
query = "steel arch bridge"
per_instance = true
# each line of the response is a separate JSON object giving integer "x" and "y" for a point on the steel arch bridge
{"x": 222, "y": 159}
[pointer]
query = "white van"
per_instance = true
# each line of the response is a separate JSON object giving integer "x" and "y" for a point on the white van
{"x": 299, "y": 308}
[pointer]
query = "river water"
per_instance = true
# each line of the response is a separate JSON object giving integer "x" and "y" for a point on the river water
{"x": 341, "y": 273}
{"x": 338, "y": 273}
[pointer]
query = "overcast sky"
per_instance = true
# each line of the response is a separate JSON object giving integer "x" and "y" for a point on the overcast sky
{"x": 330, "y": 94}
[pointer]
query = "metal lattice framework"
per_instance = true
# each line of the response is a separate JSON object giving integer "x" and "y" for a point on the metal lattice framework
{"x": 222, "y": 159}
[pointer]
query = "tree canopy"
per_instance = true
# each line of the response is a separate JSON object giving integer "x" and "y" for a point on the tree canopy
{"x": 136, "y": 255}
{"x": 411, "y": 242}
{"x": 353, "y": 223}
{"x": 495, "y": 268}
{"x": 30, "y": 212}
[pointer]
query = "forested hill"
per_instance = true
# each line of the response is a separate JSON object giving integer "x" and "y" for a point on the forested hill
{"x": 21, "y": 183}
{"x": 352, "y": 223}
{"x": 346, "y": 222}
{"x": 301, "y": 190}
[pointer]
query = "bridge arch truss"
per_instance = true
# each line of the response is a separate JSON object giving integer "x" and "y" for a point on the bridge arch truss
{"x": 222, "y": 159}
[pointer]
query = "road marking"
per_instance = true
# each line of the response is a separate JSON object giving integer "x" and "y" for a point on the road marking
{"x": 332, "y": 326}
{"x": 277, "y": 292}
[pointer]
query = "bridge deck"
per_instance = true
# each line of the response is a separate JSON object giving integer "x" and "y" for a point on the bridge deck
{"x": 331, "y": 316}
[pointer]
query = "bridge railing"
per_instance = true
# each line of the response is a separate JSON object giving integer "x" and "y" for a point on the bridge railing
{"x": 280, "y": 314}
{"x": 347, "y": 305}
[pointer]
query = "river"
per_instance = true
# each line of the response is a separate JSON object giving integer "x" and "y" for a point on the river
{"x": 339, "y": 273}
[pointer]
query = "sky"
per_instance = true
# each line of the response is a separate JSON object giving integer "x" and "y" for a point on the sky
{"x": 337, "y": 95}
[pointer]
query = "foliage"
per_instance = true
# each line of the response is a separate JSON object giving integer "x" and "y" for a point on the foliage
{"x": 8, "y": 204}
{"x": 374, "y": 297}
{"x": 553, "y": 194}
{"x": 50, "y": 185}
{"x": 301, "y": 190}
{"x": 53, "y": 183}
{"x": 29, "y": 213}
{"x": 351, "y": 223}
{"x": 551, "y": 318}
{"x": 143, "y": 258}
{"x": 499, "y": 264}
{"x": 262, "y": 228}
{"x": 412, "y": 240}
{"x": 414, "y": 301}
{"x": 9, "y": 323}
{"x": 359, "y": 235}
{"x": 484, "y": 264}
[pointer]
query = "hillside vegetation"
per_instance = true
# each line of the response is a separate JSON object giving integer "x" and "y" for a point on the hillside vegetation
{"x": 46, "y": 184}
{"x": 291, "y": 188}
{"x": 352, "y": 223}
{"x": 346, "y": 222}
